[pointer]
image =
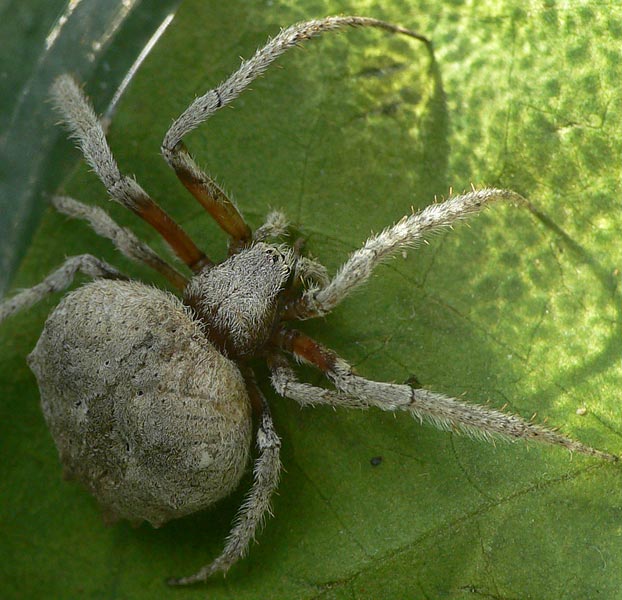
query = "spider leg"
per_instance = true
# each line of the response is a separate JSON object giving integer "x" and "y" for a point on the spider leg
{"x": 311, "y": 273}
{"x": 257, "y": 504}
{"x": 275, "y": 226}
{"x": 82, "y": 122}
{"x": 440, "y": 410}
{"x": 124, "y": 239}
{"x": 286, "y": 383}
{"x": 405, "y": 233}
{"x": 201, "y": 185}
{"x": 58, "y": 280}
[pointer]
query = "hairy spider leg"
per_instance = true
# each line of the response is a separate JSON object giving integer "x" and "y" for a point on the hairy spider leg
{"x": 201, "y": 185}
{"x": 257, "y": 504}
{"x": 84, "y": 126}
{"x": 408, "y": 232}
{"x": 59, "y": 280}
{"x": 124, "y": 239}
{"x": 441, "y": 411}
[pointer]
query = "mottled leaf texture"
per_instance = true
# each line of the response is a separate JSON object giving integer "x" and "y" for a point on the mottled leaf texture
{"x": 516, "y": 308}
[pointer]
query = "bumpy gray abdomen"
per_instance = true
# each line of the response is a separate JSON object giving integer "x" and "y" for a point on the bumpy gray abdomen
{"x": 145, "y": 412}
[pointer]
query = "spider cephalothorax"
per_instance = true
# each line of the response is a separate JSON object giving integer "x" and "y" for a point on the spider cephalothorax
{"x": 238, "y": 299}
{"x": 149, "y": 397}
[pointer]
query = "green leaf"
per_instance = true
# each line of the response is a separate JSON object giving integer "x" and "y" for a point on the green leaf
{"x": 345, "y": 138}
{"x": 96, "y": 40}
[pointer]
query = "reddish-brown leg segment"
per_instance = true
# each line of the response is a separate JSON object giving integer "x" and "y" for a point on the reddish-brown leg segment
{"x": 442, "y": 411}
{"x": 305, "y": 348}
{"x": 121, "y": 237}
{"x": 202, "y": 187}
{"x": 82, "y": 122}
{"x": 170, "y": 230}
{"x": 208, "y": 193}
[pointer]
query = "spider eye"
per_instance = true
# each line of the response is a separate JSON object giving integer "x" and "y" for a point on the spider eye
{"x": 275, "y": 255}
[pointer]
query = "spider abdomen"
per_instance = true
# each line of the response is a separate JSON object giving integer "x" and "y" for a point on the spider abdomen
{"x": 144, "y": 410}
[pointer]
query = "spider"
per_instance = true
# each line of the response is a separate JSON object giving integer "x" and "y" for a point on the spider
{"x": 150, "y": 397}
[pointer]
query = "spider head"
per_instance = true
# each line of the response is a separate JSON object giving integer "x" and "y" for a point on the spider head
{"x": 237, "y": 300}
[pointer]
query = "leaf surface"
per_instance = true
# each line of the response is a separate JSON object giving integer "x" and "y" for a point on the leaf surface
{"x": 345, "y": 138}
